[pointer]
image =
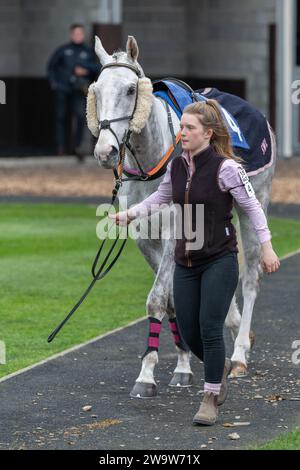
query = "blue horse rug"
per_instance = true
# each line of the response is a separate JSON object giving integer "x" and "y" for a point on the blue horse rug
{"x": 248, "y": 127}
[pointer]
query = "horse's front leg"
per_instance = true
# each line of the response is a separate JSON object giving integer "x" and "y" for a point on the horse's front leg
{"x": 182, "y": 374}
{"x": 145, "y": 385}
{"x": 158, "y": 303}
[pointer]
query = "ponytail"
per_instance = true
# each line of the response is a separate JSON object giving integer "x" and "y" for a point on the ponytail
{"x": 210, "y": 116}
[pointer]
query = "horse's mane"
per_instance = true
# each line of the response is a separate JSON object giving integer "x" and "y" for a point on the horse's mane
{"x": 119, "y": 55}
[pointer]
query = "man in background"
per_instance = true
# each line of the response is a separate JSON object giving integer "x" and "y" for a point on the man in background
{"x": 70, "y": 70}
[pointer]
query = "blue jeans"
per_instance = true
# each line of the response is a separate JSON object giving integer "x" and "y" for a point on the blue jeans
{"x": 202, "y": 296}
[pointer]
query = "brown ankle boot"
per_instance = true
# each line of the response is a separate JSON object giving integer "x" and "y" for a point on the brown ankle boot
{"x": 224, "y": 387}
{"x": 208, "y": 411}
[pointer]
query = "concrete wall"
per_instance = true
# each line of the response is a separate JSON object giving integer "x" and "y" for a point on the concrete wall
{"x": 195, "y": 38}
{"x": 30, "y": 30}
{"x": 159, "y": 27}
{"x": 10, "y": 25}
{"x": 205, "y": 38}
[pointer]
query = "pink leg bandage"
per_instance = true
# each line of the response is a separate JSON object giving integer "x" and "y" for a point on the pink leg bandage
{"x": 174, "y": 329}
{"x": 154, "y": 331}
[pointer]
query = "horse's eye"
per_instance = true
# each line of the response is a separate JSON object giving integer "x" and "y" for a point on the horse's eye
{"x": 131, "y": 90}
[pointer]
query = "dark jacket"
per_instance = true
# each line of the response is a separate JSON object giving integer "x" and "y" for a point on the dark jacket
{"x": 202, "y": 188}
{"x": 61, "y": 65}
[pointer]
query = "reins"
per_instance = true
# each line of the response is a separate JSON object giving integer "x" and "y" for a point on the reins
{"x": 96, "y": 273}
{"x": 144, "y": 176}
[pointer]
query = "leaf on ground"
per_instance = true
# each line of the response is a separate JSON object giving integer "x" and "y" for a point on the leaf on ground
{"x": 236, "y": 424}
{"x": 274, "y": 398}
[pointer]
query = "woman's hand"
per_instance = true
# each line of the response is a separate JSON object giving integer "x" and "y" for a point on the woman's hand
{"x": 121, "y": 218}
{"x": 269, "y": 260}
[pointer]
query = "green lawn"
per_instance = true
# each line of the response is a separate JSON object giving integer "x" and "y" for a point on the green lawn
{"x": 286, "y": 441}
{"x": 46, "y": 253}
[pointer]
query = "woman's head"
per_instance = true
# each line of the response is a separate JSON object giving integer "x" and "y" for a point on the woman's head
{"x": 202, "y": 123}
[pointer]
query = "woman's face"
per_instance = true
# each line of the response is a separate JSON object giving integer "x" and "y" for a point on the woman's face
{"x": 193, "y": 134}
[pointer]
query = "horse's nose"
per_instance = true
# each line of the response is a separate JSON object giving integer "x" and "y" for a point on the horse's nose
{"x": 107, "y": 156}
{"x": 113, "y": 153}
{"x": 102, "y": 153}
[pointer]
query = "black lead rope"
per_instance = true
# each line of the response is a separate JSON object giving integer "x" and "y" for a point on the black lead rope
{"x": 97, "y": 275}
{"x": 105, "y": 124}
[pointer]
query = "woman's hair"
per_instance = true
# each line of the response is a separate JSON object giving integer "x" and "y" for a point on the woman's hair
{"x": 210, "y": 116}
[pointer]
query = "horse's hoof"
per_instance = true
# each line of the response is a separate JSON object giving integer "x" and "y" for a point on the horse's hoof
{"x": 238, "y": 370}
{"x": 183, "y": 379}
{"x": 143, "y": 390}
{"x": 252, "y": 338}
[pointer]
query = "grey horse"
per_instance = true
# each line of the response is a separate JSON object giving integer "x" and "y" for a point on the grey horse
{"x": 123, "y": 96}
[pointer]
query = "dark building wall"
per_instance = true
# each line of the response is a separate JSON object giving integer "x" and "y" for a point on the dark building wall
{"x": 207, "y": 42}
{"x": 206, "y": 39}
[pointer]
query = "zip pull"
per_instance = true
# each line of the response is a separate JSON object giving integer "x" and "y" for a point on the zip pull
{"x": 187, "y": 184}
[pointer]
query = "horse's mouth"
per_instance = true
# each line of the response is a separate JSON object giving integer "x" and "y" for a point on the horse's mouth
{"x": 108, "y": 165}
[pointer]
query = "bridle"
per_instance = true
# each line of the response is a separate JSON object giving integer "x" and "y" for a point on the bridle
{"x": 106, "y": 124}
{"x": 97, "y": 275}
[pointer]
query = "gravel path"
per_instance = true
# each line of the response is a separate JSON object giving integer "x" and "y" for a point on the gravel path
{"x": 64, "y": 176}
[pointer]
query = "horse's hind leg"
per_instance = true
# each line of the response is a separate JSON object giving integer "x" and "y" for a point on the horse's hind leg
{"x": 233, "y": 322}
{"x": 233, "y": 318}
{"x": 251, "y": 276}
{"x": 252, "y": 271}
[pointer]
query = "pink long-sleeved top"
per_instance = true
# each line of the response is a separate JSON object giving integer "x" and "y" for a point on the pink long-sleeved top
{"x": 229, "y": 177}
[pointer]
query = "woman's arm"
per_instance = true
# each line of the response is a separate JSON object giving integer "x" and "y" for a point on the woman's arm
{"x": 150, "y": 205}
{"x": 233, "y": 178}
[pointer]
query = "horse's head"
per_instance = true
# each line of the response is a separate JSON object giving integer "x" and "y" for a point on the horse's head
{"x": 119, "y": 101}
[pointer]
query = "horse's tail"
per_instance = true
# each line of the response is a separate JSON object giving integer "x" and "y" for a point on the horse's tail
{"x": 274, "y": 144}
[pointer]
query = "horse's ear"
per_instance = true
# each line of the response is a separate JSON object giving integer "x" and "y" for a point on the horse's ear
{"x": 103, "y": 56}
{"x": 91, "y": 111}
{"x": 132, "y": 48}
